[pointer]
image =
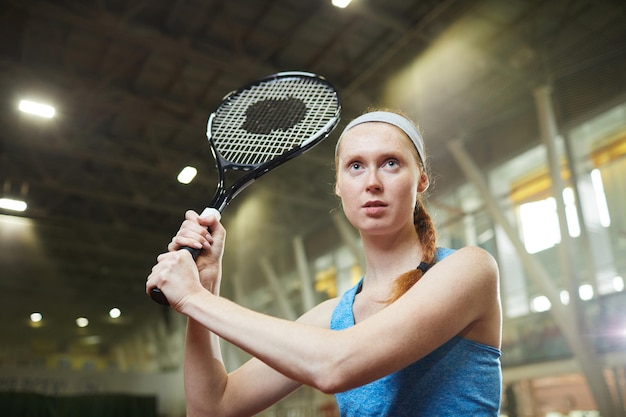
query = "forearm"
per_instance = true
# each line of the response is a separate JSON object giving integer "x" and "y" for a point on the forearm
{"x": 296, "y": 350}
{"x": 204, "y": 373}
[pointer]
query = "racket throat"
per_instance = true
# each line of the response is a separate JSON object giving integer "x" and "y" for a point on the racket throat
{"x": 221, "y": 200}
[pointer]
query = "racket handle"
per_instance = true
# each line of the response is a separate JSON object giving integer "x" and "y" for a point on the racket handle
{"x": 193, "y": 251}
{"x": 156, "y": 294}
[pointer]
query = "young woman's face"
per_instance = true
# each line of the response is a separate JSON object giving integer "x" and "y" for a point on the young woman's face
{"x": 378, "y": 177}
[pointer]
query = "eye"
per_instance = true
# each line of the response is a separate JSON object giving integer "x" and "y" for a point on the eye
{"x": 392, "y": 163}
{"x": 354, "y": 166}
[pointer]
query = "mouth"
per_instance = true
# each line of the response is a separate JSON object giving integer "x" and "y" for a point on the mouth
{"x": 372, "y": 204}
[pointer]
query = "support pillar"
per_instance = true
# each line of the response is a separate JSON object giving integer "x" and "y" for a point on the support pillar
{"x": 306, "y": 281}
{"x": 278, "y": 289}
{"x": 590, "y": 363}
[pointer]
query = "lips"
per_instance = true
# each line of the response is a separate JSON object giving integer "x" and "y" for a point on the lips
{"x": 375, "y": 203}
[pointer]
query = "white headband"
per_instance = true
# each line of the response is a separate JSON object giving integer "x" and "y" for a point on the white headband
{"x": 394, "y": 119}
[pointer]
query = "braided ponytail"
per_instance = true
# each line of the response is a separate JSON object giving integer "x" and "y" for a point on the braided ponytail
{"x": 428, "y": 238}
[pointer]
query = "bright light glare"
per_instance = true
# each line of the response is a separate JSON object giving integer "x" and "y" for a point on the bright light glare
{"x": 564, "y": 297}
{"x": 540, "y": 303}
{"x": 38, "y": 109}
{"x": 598, "y": 188}
{"x": 618, "y": 283}
{"x": 36, "y": 317}
{"x": 540, "y": 225}
{"x": 10, "y": 204}
{"x": 82, "y": 322}
{"x": 342, "y": 4}
{"x": 187, "y": 175}
{"x": 585, "y": 292}
{"x": 115, "y": 313}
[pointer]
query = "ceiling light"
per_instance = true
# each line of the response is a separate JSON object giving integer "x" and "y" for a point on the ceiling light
{"x": 540, "y": 303}
{"x": 10, "y": 204}
{"x": 115, "y": 313}
{"x": 36, "y": 317}
{"x": 585, "y": 292}
{"x": 341, "y": 3}
{"x": 38, "y": 109}
{"x": 82, "y": 322}
{"x": 187, "y": 175}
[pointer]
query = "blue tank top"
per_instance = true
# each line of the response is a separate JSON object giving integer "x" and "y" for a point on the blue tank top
{"x": 460, "y": 378}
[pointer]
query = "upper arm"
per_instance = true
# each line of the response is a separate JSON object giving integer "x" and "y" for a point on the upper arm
{"x": 459, "y": 291}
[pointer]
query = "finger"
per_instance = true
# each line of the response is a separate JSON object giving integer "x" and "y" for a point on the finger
{"x": 191, "y": 215}
{"x": 210, "y": 218}
{"x": 195, "y": 231}
{"x": 151, "y": 281}
{"x": 195, "y": 240}
{"x": 160, "y": 258}
{"x": 191, "y": 234}
{"x": 194, "y": 226}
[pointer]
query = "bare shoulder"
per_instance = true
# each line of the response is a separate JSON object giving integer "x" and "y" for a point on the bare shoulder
{"x": 479, "y": 270}
{"x": 475, "y": 260}
{"x": 320, "y": 315}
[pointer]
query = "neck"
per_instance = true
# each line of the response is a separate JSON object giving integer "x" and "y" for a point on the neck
{"x": 386, "y": 257}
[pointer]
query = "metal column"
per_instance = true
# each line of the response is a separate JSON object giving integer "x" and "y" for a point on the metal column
{"x": 590, "y": 363}
{"x": 278, "y": 289}
{"x": 306, "y": 281}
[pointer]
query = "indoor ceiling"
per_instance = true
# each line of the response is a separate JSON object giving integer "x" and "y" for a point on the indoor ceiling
{"x": 134, "y": 82}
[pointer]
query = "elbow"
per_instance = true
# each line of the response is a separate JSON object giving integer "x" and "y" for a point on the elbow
{"x": 195, "y": 412}
{"x": 339, "y": 367}
{"x": 200, "y": 411}
{"x": 331, "y": 378}
{"x": 214, "y": 408}
{"x": 328, "y": 385}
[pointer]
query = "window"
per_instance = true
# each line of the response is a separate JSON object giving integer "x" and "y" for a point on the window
{"x": 539, "y": 222}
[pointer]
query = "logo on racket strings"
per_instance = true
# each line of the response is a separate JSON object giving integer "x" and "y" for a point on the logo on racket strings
{"x": 265, "y": 116}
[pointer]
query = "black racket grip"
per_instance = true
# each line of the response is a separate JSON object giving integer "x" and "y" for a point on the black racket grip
{"x": 156, "y": 294}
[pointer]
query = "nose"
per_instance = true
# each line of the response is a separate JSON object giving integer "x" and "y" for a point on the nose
{"x": 373, "y": 181}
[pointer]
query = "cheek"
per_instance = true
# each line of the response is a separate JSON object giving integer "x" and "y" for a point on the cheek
{"x": 344, "y": 186}
{"x": 407, "y": 191}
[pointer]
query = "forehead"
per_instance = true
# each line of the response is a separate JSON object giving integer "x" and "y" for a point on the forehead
{"x": 375, "y": 135}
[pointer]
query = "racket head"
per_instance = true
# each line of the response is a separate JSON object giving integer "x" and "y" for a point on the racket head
{"x": 270, "y": 121}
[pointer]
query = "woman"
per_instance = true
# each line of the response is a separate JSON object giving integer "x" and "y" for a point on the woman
{"x": 418, "y": 343}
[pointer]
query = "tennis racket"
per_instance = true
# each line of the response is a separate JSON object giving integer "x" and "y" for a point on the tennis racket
{"x": 263, "y": 125}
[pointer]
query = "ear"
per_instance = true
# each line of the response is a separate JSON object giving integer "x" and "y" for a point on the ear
{"x": 337, "y": 193}
{"x": 423, "y": 183}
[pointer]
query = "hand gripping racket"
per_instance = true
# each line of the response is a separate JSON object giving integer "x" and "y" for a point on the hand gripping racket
{"x": 261, "y": 126}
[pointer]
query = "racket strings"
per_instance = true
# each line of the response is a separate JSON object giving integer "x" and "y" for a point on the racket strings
{"x": 271, "y": 118}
